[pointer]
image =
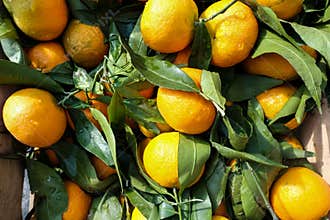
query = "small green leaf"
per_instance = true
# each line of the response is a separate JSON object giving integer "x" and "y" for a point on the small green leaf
{"x": 136, "y": 41}
{"x": 105, "y": 207}
{"x": 114, "y": 41}
{"x": 90, "y": 138}
{"x": 317, "y": 38}
{"x": 19, "y": 74}
{"x": 166, "y": 210}
{"x": 62, "y": 73}
{"x": 211, "y": 88}
{"x": 51, "y": 196}
{"x": 137, "y": 200}
{"x": 201, "y": 47}
{"x": 300, "y": 113}
{"x": 137, "y": 181}
{"x": 85, "y": 82}
{"x": 7, "y": 29}
{"x": 201, "y": 209}
{"x": 192, "y": 155}
{"x": 290, "y": 152}
{"x": 116, "y": 110}
{"x": 77, "y": 166}
{"x": 82, "y": 12}
{"x": 233, "y": 154}
{"x": 14, "y": 51}
{"x": 326, "y": 16}
{"x": 303, "y": 63}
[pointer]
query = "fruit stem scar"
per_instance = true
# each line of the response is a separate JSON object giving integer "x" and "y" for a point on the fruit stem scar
{"x": 219, "y": 12}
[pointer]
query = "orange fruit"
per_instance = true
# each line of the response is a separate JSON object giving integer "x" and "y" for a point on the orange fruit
{"x": 167, "y": 26}
{"x": 85, "y": 44}
{"x": 78, "y": 202}
{"x": 147, "y": 93}
{"x": 137, "y": 215}
{"x": 221, "y": 210}
{"x": 160, "y": 159}
{"x": 300, "y": 193}
{"x": 103, "y": 171}
{"x": 284, "y": 9}
{"x": 52, "y": 157}
{"x": 162, "y": 128}
{"x": 91, "y": 99}
{"x": 182, "y": 58}
{"x": 41, "y": 20}
{"x": 218, "y": 217}
{"x": 233, "y": 33}
{"x": 182, "y": 110}
{"x": 274, "y": 65}
{"x": 294, "y": 142}
{"x": 45, "y": 56}
{"x": 273, "y": 100}
{"x": 33, "y": 117}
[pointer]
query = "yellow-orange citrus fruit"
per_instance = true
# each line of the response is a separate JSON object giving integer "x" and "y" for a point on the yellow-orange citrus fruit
{"x": 147, "y": 93}
{"x": 294, "y": 142}
{"x": 45, "y": 56}
{"x": 274, "y": 65}
{"x": 137, "y": 215}
{"x": 103, "y": 171}
{"x": 273, "y": 100}
{"x": 218, "y": 217}
{"x": 160, "y": 159}
{"x": 300, "y": 194}
{"x": 221, "y": 210}
{"x": 149, "y": 134}
{"x": 52, "y": 157}
{"x": 33, "y": 117}
{"x": 78, "y": 202}
{"x": 91, "y": 99}
{"x": 233, "y": 33}
{"x": 284, "y": 9}
{"x": 168, "y": 26}
{"x": 186, "y": 112}
{"x": 41, "y": 20}
{"x": 182, "y": 58}
{"x": 85, "y": 44}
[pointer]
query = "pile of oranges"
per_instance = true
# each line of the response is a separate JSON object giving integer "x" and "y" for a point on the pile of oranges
{"x": 40, "y": 119}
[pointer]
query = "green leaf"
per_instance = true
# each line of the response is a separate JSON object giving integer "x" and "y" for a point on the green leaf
{"x": 19, "y": 74}
{"x": 82, "y": 12}
{"x": 90, "y": 138}
{"x": 317, "y": 38}
{"x": 253, "y": 182}
{"x": 136, "y": 40}
{"x": 201, "y": 47}
{"x": 201, "y": 209}
{"x": 162, "y": 73}
{"x": 193, "y": 154}
{"x": 106, "y": 128}
{"x": 233, "y": 154}
{"x": 116, "y": 110}
{"x": 7, "y": 29}
{"x": 77, "y": 166}
{"x": 85, "y": 82}
{"x": 14, "y": 51}
{"x": 217, "y": 182}
{"x": 166, "y": 210}
{"x": 114, "y": 41}
{"x": 290, "y": 152}
{"x": 239, "y": 88}
{"x": 290, "y": 106}
{"x": 302, "y": 62}
{"x": 300, "y": 113}
{"x": 137, "y": 181}
{"x": 51, "y": 196}
{"x": 62, "y": 73}
{"x": 137, "y": 200}
{"x": 211, "y": 88}
{"x": 326, "y": 16}
{"x": 105, "y": 207}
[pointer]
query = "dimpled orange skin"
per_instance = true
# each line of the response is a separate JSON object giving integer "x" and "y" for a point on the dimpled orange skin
{"x": 41, "y": 20}
{"x": 284, "y": 9}
{"x": 45, "y": 56}
{"x": 33, "y": 117}
{"x": 233, "y": 33}
{"x": 168, "y": 26}
{"x": 300, "y": 194}
{"x": 85, "y": 44}
{"x": 103, "y": 171}
{"x": 186, "y": 112}
{"x": 294, "y": 142}
{"x": 274, "y": 65}
{"x": 182, "y": 58}
{"x": 78, "y": 202}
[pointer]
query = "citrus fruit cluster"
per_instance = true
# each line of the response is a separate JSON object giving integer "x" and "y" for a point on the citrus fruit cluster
{"x": 166, "y": 109}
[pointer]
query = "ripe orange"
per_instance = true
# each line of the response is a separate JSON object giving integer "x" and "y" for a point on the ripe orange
{"x": 45, "y": 56}
{"x": 52, "y": 157}
{"x": 294, "y": 142}
{"x": 78, "y": 202}
{"x": 103, "y": 171}
{"x": 167, "y": 26}
{"x": 182, "y": 58}
{"x": 274, "y": 65}
{"x": 218, "y": 217}
{"x": 284, "y": 9}
{"x": 233, "y": 33}
{"x": 137, "y": 215}
{"x": 160, "y": 159}
{"x": 41, "y": 20}
{"x": 300, "y": 194}
{"x": 150, "y": 134}
{"x": 85, "y": 44}
{"x": 221, "y": 210}
{"x": 186, "y": 112}
{"x": 273, "y": 100}
{"x": 33, "y": 117}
